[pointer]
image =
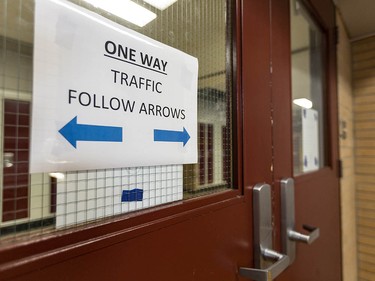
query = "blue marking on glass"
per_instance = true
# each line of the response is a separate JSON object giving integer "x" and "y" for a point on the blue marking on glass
{"x": 132, "y": 195}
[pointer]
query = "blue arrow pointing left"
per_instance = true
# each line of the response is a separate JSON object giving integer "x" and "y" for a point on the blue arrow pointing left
{"x": 74, "y": 132}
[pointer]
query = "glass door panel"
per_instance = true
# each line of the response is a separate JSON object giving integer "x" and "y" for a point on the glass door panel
{"x": 307, "y": 50}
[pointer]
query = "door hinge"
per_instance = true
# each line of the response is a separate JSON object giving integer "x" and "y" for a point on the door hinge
{"x": 339, "y": 168}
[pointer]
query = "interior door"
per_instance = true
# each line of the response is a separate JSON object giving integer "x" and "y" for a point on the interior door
{"x": 295, "y": 57}
{"x": 304, "y": 66}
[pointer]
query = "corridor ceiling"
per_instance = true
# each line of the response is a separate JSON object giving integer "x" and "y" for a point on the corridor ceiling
{"x": 359, "y": 17}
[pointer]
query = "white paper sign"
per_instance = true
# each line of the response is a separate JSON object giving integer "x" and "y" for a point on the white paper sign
{"x": 105, "y": 96}
{"x": 310, "y": 140}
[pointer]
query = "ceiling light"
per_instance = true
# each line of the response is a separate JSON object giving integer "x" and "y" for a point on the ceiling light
{"x": 125, "y": 9}
{"x": 303, "y": 102}
{"x": 59, "y": 176}
{"x": 160, "y": 4}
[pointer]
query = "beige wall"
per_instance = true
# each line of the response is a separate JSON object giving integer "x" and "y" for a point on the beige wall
{"x": 349, "y": 247}
{"x": 364, "y": 129}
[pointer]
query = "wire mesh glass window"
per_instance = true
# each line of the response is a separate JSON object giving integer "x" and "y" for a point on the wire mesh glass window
{"x": 45, "y": 202}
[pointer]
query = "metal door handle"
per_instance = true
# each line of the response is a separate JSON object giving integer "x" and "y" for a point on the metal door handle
{"x": 305, "y": 238}
{"x": 263, "y": 242}
{"x": 288, "y": 235}
{"x": 269, "y": 273}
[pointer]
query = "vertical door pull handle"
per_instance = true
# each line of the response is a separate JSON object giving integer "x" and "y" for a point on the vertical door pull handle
{"x": 289, "y": 236}
{"x": 268, "y": 274}
{"x": 266, "y": 269}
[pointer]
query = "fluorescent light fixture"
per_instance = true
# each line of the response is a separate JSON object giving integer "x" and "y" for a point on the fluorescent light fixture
{"x": 303, "y": 102}
{"x": 160, "y": 4}
{"x": 59, "y": 176}
{"x": 125, "y": 9}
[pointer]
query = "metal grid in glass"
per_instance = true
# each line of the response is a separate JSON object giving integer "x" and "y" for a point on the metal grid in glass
{"x": 33, "y": 204}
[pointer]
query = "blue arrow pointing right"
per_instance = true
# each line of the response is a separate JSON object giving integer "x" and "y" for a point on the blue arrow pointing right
{"x": 171, "y": 136}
